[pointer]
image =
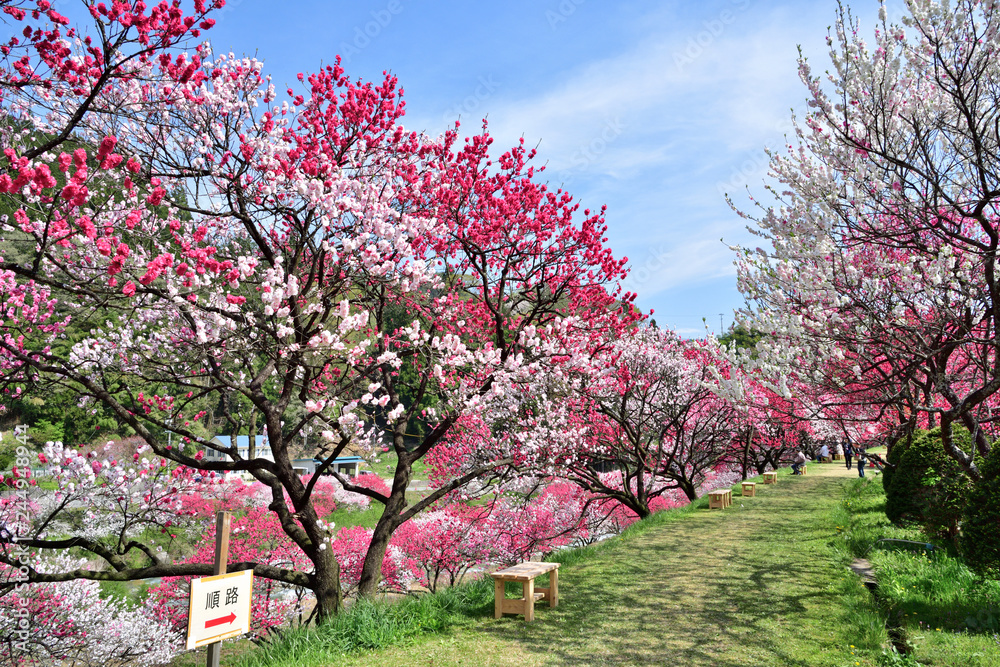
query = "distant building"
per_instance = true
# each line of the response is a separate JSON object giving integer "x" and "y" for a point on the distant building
{"x": 304, "y": 466}
{"x": 263, "y": 449}
{"x": 345, "y": 465}
{"x": 349, "y": 463}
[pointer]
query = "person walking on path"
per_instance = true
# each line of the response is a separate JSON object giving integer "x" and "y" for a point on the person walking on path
{"x": 848, "y": 453}
{"x": 861, "y": 461}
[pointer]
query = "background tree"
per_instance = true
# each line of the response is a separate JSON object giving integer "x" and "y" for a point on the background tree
{"x": 645, "y": 422}
{"x": 881, "y": 279}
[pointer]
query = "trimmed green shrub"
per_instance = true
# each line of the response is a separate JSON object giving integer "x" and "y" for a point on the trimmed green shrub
{"x": 980, "y": 541}
{"x": 893, "y": 457}
{"x": 928, "y": 488}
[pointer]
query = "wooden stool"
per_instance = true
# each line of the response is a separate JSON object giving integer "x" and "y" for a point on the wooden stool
{"x": 802, "y": 470}
{"x": 771, "y": 477}
{"x": 749, "y": 489}
{"x": 525, "y": 573}
{"x": 720, "y": 499}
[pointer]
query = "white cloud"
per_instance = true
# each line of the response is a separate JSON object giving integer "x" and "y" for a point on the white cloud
{"x": 733, "y": 95}
{"x": 660, "y": 131}
{"x": 669, "y": 265}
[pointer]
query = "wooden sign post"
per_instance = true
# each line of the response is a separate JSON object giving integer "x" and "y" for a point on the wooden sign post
{"x": 223, "y": 520}
{"x": 219, "y": 606}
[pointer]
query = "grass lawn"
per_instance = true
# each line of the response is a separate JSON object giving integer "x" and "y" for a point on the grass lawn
{"x": 386, "y": 466}
{"x": 348, "y": 518}
{"x": 762, "y": 583}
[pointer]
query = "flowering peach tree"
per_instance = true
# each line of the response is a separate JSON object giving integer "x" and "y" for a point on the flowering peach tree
{"x": 223, "y": 242}
{"x": 640, "y": 421}
{"x": 879, "y": 282}
{"x": 71, "y": 623}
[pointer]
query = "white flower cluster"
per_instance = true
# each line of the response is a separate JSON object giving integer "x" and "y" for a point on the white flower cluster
{"x": 71, "y": 621}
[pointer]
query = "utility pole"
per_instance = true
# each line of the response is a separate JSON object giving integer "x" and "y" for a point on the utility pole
{"x": 720, "y": 324}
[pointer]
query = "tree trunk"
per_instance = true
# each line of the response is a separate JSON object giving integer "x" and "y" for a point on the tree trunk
{"x": 326, "y": 586}
{"x": 746, "y": 457}
{"x": 761, "y": 465}
{"x": 688, "y": 488}
{"x": 371, "y": 570}
{"x": 639, "y": 507}
{"x": 252, "y": 436}
{"x": 954, "y": 451}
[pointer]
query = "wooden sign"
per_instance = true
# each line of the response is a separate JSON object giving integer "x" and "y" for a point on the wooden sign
{"x": 219, "y": 608}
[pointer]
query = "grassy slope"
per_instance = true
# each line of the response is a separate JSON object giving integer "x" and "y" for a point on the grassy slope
{"x": 934, "y": 598}
{"x": 762, "y": 583}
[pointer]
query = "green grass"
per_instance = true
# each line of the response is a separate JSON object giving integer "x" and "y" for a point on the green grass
{"x": 761, "y": 583}
{"x": 232, "y": 652}
{"x": 946, "y": 613}
{"x": 376, "y": 624}
{"x": 387, "y": 466}
{"x": 134, "y": 593}
{"x": 348, "y": 518}
{"x": 47, "y": 484}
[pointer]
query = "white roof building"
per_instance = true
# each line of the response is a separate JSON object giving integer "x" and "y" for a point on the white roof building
{"x": 263, "y": 449}
{"x": 348, "y": 463}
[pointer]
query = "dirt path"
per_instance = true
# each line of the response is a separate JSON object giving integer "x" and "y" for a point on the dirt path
{"x": 756, "y": 584}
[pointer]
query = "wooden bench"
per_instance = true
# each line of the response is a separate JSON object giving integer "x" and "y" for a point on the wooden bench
{"x": 525, "y": 573}
{"x": 771, "y": 477}
{"x": 838, "y": 457}
{"x": 749, "y": 489}
{"x": 720, "y": 499}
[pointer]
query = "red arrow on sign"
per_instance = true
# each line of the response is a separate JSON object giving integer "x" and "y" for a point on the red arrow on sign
{"x": 220, "y": 621}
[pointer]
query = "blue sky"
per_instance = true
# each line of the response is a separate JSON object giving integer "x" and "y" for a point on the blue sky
{"x": 653, "y": 108}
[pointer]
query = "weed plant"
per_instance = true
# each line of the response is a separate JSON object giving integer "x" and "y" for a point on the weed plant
{"x": 945, "y": 611}
{"x": 375, "y": 624}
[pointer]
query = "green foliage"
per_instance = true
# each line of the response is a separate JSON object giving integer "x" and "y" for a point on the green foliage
{"x": 8, "y": 452}
{"x": 396, "y": 317}
{"x": 43, "y": 431}
{"x": 744, "y": 338}
{"x": 58, "y": 416}
{"x": 893, "y": 458}
{"x": 928, "y": 487}
{"x": 980, "y": 541}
